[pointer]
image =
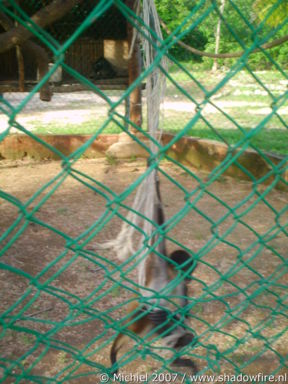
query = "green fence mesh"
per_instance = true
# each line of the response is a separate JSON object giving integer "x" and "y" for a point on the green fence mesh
{"x": 64, "y": 303}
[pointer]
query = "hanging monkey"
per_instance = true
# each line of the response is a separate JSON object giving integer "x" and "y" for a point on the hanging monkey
{"x": 157, "y": 274}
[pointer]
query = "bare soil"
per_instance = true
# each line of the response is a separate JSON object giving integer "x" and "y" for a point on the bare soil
{"x": 71, "y": 299}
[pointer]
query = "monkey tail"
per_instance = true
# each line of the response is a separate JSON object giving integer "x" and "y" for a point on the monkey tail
{"x": 139, "y": 325}
{"x": 116, "y": 346}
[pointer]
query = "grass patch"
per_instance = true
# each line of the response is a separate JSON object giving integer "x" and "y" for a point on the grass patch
{"x": 111, "y": 160}
{"x": 203, "y": 74}
{"x": 243, "y": 82}
{"x": 268, "y": 139}
{"x": 88, "y": 127}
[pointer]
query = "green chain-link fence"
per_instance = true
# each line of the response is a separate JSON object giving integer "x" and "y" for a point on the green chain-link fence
{"x": 64, "y": 303}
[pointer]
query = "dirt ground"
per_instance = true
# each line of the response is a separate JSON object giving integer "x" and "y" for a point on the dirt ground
{"x": 71, "y": 298}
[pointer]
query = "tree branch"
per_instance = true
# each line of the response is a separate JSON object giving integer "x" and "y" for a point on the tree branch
{"x": 273, "y": 44}
{"x": 46, "y": 16}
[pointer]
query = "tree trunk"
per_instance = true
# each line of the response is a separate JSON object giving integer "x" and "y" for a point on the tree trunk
{"x": 218, "y": 36}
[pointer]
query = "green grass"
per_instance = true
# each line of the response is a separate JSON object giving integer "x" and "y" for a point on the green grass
{"x": 242, "y": 81}
{"x": 242, "y": 88}
{"x": 86, "y": 128}
{"x": 270, "y": 140}
{"x": 203, "y": 74}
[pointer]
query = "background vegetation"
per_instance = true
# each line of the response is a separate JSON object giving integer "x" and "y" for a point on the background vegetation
{"x": 245, "y": 17}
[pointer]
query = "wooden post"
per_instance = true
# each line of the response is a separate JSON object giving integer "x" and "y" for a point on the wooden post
{"x": 21, "y": 75}
{"x": 134, "y": 71}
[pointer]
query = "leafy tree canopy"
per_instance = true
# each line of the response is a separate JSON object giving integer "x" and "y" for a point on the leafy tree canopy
{"x": 173, "y": 12}
{"x": 242, "y": 19}
{"x": 273, "y": 10}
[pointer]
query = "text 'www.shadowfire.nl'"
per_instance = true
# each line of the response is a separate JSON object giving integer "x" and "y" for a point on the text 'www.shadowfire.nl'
{"x": 184, "y": 378}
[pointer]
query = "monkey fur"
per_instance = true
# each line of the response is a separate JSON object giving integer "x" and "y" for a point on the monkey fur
{"x": 161, "y": 321}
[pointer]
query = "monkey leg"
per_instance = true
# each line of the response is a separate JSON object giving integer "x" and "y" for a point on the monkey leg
{"x": 142, "y": 325}
{"x": 170, "y": 327}
{"x": 175, "y": 337}
{"x": 185, "y": 363}
{"x": 183, "y": 341}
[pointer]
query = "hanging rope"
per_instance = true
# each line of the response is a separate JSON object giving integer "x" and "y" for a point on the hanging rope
{"x": 146, "y": 197}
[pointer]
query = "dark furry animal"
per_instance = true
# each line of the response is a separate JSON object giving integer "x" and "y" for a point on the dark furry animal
{"x": 102, "y": 69}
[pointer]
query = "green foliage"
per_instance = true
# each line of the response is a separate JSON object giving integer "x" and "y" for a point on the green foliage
{"x": 173, "y": 12}
{"x": 278, "y": 11}
{"x": 246, "y": 20}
